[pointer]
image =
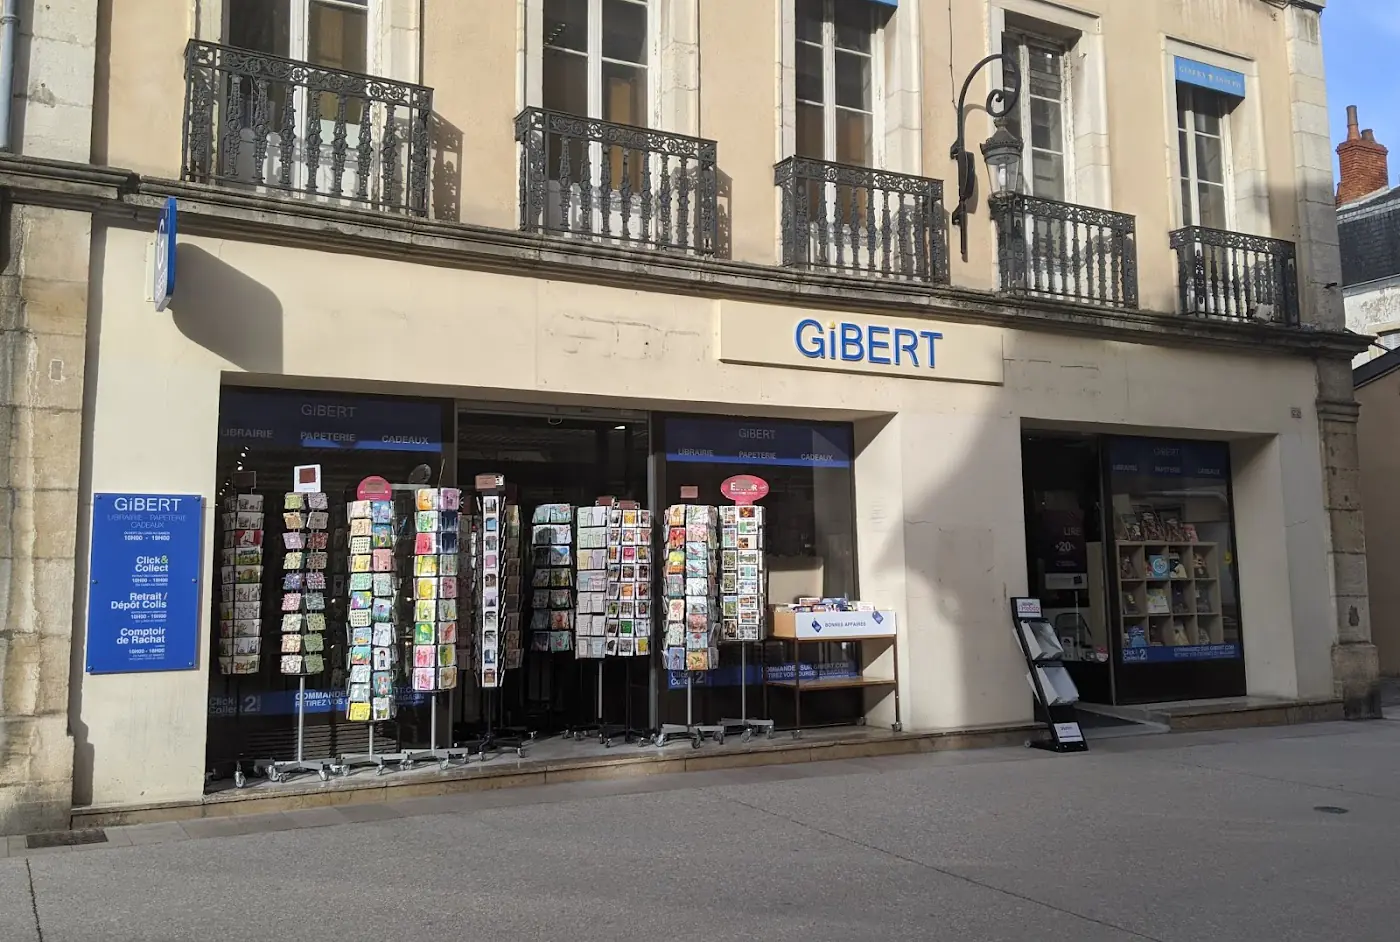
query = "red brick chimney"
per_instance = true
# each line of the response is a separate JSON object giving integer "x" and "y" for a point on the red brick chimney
{"x": 1365, "y": 168}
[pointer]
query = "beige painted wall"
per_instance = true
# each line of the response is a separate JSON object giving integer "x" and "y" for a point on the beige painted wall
{"x": 471, "y": 57}
{"x": 1380, "y": 470}
{"x": 938, "y": 474}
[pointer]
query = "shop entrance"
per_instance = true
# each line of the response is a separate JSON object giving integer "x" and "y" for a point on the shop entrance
{"x": 1130, "y": 548}
{"x": 562, "y": 457}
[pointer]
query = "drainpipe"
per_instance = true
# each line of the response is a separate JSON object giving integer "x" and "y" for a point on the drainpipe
{"x": 9, "y": 25}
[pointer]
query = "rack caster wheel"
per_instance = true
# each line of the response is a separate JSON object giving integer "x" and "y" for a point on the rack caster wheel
{"x": 797, "y": 734}
{"x": 239, "y": 779}
{"x": 380, "y": 770}
{"x": 520, "y": 752}
{"x": 898, "y": 727}
{"x": 719, "y": 738}
{"x": 695, "y": 743}
{"x": 324, "y": 774}
{"x": 275, "y": 777}
{"x": 860, "y": 721}
{"x": 406, "y": 765}
{"x": 746, "y": 735}
{"x": 771, "y": 732}
{"x": 607, "y": 743}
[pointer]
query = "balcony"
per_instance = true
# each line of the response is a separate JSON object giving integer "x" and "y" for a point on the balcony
{"x": 861, "y": 221}
{"x": 267, "y": 123}
{"x": 1235, "y": 276}
{"x": 585, "y": 178}
{"x": 1050, "y": 249}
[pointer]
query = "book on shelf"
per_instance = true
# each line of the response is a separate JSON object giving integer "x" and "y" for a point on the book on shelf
{"x": 1135, "y": 636}
{"x": 1130, "y": 605}
{"x": 1199, "y": 568}
{"x": 1157, "y": 601}
{"x": 1188, "y": 532}
{"x": 1179, "y": 606}
{"x": 1158, "y": 566}
{"x": 1203, "y": 603}
{"x": 1179, "y": 634}
{"x": 1172, "y": 526}
{"x": 1132, "y": 528}
{"x": 1126, "y": 568}
{"x": 1152, "y": 527}
{"x": 1175, "y": 567}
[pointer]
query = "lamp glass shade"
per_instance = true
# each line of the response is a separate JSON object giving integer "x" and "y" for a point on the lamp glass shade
{"x": 1002, "y": 152}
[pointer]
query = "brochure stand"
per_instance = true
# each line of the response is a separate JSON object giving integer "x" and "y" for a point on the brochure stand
{"x": 279, "y": 771}
{"x": 749, "y": 726}
{"x": 1046, "y": 673}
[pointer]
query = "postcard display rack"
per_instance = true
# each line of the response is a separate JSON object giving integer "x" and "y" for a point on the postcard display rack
{"x": 240, "y": 592}
{"x": 692, "y": 608}
{"x": 1048, "y": 677}
{"x": 552, "y": 578}
{"x": 1169, "y": 585}
{"x": 590, "y": 611}
{"x": 304, "y": 562}
{"x": 743, "y": 592}
{"x": 497, "y": 603}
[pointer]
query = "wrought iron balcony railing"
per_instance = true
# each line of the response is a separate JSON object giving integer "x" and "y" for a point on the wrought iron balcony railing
{"x": 1046, "y": 248}
{"x": 861, "y": 221}
{"x": 1236, "y": 276}
{"x": 615, "y": 182}
{"x": 279, "y": 124}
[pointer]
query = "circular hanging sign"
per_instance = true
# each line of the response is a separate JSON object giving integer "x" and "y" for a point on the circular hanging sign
{"x": 374, "y": 488}
{"x": 744, "y": 489}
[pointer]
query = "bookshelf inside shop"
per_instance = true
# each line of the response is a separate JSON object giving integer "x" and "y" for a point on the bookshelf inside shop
{"x": 1169, "y": 593}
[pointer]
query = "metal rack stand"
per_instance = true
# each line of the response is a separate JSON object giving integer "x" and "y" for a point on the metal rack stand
{"x": 607, "y": 732}
{"x": 280, "y": 771}
{"x": 444, "y": 756}
{"x": 493, "y": 740}
{"x": 749, "y": 726}
{"x": 585, "y": 730}
{"x": 695, "y": 732}
{"x": 343, "y": 764}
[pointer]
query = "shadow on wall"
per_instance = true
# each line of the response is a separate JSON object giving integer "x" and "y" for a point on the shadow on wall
{"x": 227, "y": 313}
{"x": 447, "y": 170}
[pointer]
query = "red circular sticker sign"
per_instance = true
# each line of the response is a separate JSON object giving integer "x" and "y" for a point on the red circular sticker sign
{"x": 744, "y": 489}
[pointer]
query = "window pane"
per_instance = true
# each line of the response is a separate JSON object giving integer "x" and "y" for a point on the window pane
{"x": 1208, "y": 112}
{"x": 625, "y": 31}
{"x": 809, "y": 20}
{"x": 854, "y": 25}
{"x": 1210, "y": 159}
{"x": 1183, "y": 106}
{"x": 1047, "y": 130}
{"x": 1183, "y": 153}
{"x": 565, "y": 82}
{"x": 566, "y": 24}
{"x": 853, "y": 80}
{"x": 811, "y": 135}
{"x": 1046, "y": 80}
{"x": 260, "y": 25}
{"x": 1188, "y": 217}
{"x": 338, "y": 38}
{"x": 1047, "y": 175}
{"x": 853, "y": 137}
{"x": 624, "y": 94}
{"x": 1212, "y": 206}
{"x": 809, "y": 72}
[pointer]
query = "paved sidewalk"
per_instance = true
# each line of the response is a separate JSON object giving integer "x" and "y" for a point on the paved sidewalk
{"x": 1178, "y": 838}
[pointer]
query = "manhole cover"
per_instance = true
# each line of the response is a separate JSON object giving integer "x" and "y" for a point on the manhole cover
{"x": 65, "y": 838}
{"x": 1330, "y": 809}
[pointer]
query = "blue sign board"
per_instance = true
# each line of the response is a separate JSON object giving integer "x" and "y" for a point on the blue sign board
{"x": 163, "y": 284}
{"x": 758, "y": 442}
{"x": 1225, "y": 81}
{"x": 1170, "y": 458}
{"x": 143, "y": 596}
{"x": 876, "y": 344}
{"x": 1181, "y": 652}
{"x": 284, "y": 702}
{"x": 328, "y": 420}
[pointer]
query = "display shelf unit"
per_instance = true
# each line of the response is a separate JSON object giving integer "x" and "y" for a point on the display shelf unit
{"x": 1169, "y": 593}
{"x": 789, "y": 631}
{"x": 1049, "y": 680}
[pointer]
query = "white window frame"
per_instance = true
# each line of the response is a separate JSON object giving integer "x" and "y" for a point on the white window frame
{"x": 1023, "y": 106}
{"x": 1189, "y": 172}
{"x": 531, "y": 49}
{"x": 828, "y": 103}
{"x": 298, "y": 41}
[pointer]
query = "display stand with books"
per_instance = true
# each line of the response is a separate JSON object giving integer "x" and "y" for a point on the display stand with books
{"x": 1169, "y": 586}
{"x": 1049, "y": 680}
{"x": 304, "y": 562}
{"x": 743, "y": 601}
{"x": 819, "y": 621}
{"x": 692, "y": 608}
{"x": 375, "y": 593}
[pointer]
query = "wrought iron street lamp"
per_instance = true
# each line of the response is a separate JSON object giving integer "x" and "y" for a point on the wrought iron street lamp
{"x": 1002, "y": 150}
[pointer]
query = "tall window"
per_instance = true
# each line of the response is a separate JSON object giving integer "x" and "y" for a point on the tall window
{"x": 1043, "y": 107}
{"x": 332, "y": 33}
{"x": 1203, "y": 158}
{"x": 595, "y": 59}
{"x": 837, "y": 70}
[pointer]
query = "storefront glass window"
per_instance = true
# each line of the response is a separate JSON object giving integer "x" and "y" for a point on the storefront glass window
{"x": 1174, "y": 551}
{"x": 809, "y": 543}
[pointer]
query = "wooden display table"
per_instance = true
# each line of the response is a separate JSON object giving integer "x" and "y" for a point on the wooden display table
{"x": 799, "y": 628}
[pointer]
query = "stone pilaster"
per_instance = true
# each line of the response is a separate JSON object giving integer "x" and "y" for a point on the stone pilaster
{"x": 1355, "y": 666}
{"x": 43, "y": 326}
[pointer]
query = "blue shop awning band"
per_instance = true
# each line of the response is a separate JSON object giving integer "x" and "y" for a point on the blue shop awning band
{"x": 1213, "y": 77}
